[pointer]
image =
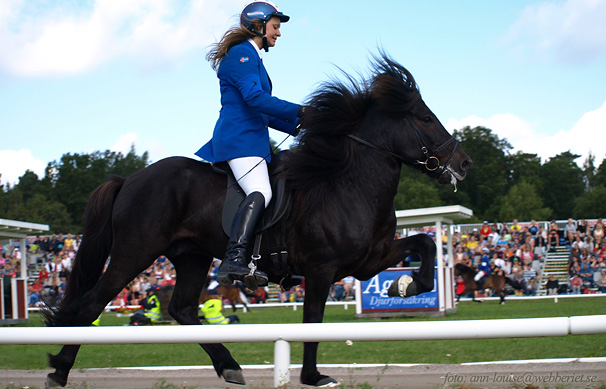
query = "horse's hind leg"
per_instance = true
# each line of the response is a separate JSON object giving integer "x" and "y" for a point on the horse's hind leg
{"x": 119, "y": 273}
{"x": 191, "y": 272}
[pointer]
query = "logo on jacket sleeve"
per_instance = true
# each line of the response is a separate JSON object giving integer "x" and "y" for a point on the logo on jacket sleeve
{"x": 244, "y": 59}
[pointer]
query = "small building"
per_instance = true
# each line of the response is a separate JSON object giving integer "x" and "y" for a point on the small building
{"x": 13, "y": 291}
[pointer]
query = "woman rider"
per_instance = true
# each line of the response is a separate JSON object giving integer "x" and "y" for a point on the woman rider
{"x": 241, "y": 135}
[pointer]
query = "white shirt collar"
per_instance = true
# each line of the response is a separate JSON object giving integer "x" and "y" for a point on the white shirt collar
{"x": 256, "y": 47}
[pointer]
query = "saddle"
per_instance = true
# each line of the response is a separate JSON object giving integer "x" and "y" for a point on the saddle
{"x": 278, "y": 208}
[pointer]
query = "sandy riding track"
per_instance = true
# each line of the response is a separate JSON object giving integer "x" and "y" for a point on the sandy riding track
{"x": 568, "y": 373}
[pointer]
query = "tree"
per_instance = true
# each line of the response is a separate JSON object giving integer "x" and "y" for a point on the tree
{"x": 591, "y": 204}
{"x": 562, "y": 184}
{"x": 600, "y": 175}
{"x": 487, "y": 180}
{"x": 523, "y": 202}
{"x": 524, "y": 166}
{"x": 416, "y": 190}
{"x": 59, "y": 199}
{"x": 589, "y": 171}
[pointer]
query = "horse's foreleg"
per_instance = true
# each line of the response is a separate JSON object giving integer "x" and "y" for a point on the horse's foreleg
{"x": 423, "y": 280}
{"x": 316, "y": 293}
{"x": 191, "y": 274}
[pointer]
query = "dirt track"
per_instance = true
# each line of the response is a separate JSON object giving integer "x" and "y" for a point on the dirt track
{"x": 499, "y": 375}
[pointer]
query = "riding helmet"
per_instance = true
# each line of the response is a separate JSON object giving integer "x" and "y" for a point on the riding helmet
{"x": 263, "y": 10}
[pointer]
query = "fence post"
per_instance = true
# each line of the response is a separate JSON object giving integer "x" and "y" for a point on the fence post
{"x": 281, "y": 363}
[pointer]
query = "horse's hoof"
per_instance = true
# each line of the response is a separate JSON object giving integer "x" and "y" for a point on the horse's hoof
{"x": 233, "y": 376}
{"x": 326, "y": 382}
{"x": 321, "y": 381}
{"x": 52, "y": 381}
{"x": 403, "y": 286}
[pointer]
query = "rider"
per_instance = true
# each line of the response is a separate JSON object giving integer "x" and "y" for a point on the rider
{"x": 241, "y": 135}
{"x": 484, "y": 266}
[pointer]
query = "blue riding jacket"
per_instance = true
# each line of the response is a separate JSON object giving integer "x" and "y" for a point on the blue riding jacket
{"x": 247, "y": 108}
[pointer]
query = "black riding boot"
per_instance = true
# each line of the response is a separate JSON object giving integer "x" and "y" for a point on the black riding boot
{"x": 235, "y": 265}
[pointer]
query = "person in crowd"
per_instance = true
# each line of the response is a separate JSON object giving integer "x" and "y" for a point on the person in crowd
{"x": 552, "y": 286}
{"x": 598, "y": 233}
{"x": 260, "y": 296}
{"x": 530, "y": 276}
{"x": 585, "y": 272}
{"x": 485, "y": 231}
{"x": 349, "y": 286}
{"x": 212, "y": 310}
{"x": 284, "y": 295}
{"x": 35, "y": 292}
{"x": 337, "y": 290}
{"x": 525, "y": 254}
{"x": 601, "y": 284}
{"x": 582, "y": 228}
{"x": 151, "y": 311}
{"x": 576, "y": 283}
{"x": 553, "y": 239}
{"x": 515, "y": 226}
{"x": 570, "y": 231}
{"x": 241, "y": 136}
{"x": 533, "y": 228}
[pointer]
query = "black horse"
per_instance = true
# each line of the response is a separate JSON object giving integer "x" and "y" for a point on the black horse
{"x": 343, "y": 176}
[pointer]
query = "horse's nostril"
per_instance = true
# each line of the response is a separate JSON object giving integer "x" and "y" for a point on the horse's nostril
{"x": 466, "y": 165}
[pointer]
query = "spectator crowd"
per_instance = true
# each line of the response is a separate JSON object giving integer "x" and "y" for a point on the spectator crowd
{"x": 511, "y": 249}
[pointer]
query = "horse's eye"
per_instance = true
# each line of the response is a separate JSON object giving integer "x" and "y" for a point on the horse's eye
{"x": 426, "y": 119}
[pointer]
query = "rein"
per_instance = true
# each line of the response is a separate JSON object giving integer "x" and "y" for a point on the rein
{"x": 431, "y": 162}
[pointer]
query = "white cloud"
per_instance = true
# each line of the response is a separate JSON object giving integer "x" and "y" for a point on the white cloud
{"x": 573, "y": 31}
{"x": 71, "y": 40}
{"x": 586, "y": 135}
{"x": 125, "y": 142}
{"x": 15, "y": 163}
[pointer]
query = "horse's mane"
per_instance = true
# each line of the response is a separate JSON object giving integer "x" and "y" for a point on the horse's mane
{"x": 323, "y": 151}
{"x": 464, "y": 269}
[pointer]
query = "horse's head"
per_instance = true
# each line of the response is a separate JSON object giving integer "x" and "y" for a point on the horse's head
{"x": 415, "y": 134}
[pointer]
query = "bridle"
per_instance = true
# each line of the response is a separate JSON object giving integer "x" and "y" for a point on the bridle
{"x": 431, "y": 163}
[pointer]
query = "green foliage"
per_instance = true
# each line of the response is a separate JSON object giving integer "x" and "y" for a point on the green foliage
{"x": 562, "y": 183}
{"x": 591, "y": 203}
{"x": 416, "y": 190}
{"x": 522, "y": 202}
{"x": 59, "y": 199}
{"x": 487, "y": 179}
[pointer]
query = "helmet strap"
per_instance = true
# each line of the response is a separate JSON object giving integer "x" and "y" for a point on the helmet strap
{"x": 262, "y": 35}
{"x": 265, "y": 45}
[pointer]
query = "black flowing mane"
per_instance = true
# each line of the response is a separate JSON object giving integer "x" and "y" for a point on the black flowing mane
{"x": 323, "y": 151}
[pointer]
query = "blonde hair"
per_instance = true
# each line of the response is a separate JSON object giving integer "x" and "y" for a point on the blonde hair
{"x": 232, "y": 37}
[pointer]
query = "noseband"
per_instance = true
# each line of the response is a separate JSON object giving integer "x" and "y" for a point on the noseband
{"x": 431, "y": 162}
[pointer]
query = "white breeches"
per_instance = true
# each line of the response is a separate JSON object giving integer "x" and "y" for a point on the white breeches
{"x": 479, "y": 275}
{"x": 251, "y": 173}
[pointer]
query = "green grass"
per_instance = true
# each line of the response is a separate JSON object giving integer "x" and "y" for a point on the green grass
{"x": 451, "y": 351}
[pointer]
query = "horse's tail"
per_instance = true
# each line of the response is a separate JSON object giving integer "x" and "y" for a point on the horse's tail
{"x": 513, "y": 283}
{"x": 92, "y": 254}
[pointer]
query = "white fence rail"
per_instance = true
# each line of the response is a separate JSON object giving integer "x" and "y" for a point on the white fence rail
{"x": 283, "y": 334}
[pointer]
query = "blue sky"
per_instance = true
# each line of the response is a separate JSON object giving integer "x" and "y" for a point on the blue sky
{"x": 79, "y": 76}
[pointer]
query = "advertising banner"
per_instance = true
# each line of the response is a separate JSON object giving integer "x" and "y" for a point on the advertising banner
{"x": 375, "y": 299}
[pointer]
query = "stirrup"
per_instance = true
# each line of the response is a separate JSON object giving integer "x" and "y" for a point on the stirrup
{"x": 255, "y": 279}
